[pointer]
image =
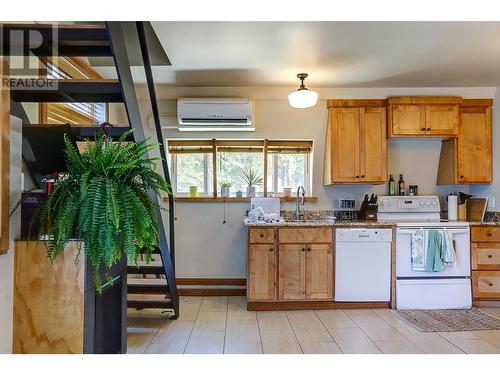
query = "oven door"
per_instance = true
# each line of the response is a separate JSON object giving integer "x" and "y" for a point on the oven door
{"x": 461, "y": 241}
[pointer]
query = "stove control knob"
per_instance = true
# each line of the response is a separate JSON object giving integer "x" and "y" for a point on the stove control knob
{"x": 422, "y": 204}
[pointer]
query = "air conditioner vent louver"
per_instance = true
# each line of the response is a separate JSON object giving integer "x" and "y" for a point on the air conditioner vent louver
{"x": 216, "y": 120}
{"x": 209, "y": 114}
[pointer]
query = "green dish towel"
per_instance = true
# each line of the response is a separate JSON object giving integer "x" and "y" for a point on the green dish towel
{"x": 433, "y": 261}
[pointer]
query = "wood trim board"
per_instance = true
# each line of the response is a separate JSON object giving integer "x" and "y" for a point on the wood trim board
{"x": 4, "y": 159}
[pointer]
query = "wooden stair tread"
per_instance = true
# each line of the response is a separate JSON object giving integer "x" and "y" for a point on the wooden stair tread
{"x": 149, "y": 270}
{"x": 72, "y": 90}
{"x": 89, "y": 130}
{"x": 146, "y": 281}
{"x": 72, "y": 39}
{"x": 138, "y": 304}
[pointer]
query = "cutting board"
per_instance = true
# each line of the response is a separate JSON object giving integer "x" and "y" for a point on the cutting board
{"x": 269, "y": 205}
{"x": 476, "y": 207}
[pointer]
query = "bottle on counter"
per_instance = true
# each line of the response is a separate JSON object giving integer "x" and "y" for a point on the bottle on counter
{"x": 392, "y": 185}
{"x": 401, "y": 185}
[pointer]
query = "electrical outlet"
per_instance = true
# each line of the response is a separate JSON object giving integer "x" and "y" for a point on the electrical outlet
{"x": 491, "y": 203}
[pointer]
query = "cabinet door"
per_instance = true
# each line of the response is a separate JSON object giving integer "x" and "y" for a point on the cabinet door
{"x": 408, "y": 120}
{"x": 292, "y": 285}
{"x": 344, "y": 132}
{"x": 474, "y": 156}
{"x": 373, "y": 148}
{"x": 319, "y": 272}
{"x": 261, "y": 272}
{"x": 441, "y": 120}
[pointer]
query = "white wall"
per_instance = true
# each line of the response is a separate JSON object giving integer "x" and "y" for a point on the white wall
{"x": 7, "y": 260}
{"x": 208, "y": 248}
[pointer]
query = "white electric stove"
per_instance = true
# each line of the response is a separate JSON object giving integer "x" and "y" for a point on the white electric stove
{"x": 448, "y": 289}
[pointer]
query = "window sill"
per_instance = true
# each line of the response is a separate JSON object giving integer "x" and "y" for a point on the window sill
{"x": 233, "y": 199}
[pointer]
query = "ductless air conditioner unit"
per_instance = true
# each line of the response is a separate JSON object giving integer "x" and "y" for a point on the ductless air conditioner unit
{"x": 210, "y": 114}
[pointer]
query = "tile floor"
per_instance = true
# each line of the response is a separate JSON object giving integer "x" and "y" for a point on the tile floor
{"x": 219, "y": 325}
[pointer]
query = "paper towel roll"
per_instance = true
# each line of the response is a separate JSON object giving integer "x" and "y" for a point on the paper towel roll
{"x": 452, "y": 207}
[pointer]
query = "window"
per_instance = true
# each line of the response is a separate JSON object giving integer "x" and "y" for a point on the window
{"x": 72, "y": 113}
{"x": 192, "y": 164}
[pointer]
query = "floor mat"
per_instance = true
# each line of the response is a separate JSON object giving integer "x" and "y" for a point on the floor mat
{"x": 449, "y": 320}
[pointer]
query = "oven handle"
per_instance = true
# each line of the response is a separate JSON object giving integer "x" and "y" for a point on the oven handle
{"x": 452, "y": 231}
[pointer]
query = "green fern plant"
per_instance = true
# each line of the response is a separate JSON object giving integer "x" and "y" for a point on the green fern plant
{"x": 103, "y": 200}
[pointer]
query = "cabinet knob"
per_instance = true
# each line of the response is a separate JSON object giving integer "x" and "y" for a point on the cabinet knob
{"x": 262, "y": 235}
{"x": 362, "y": 176}
{"x": 271, "y": 249}
{"x": 489, "y": 234}
{"x": 422, "y": 129}
{"x": 461, "y": 176}
{"x": 303, "y": 249}
{"x": 428, "y": 129}
{"x": 357, "y": 176}
{"x": 308, "y": 249}
{"x": 490, "y": 284}
{"x": 490, "y": 256}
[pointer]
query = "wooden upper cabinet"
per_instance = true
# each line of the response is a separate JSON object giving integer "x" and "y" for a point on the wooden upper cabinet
{"x": 344, "y": 140}
{"x": 261, "y": 272}
{"x": 407, "y": 120}
{"x": 467, "y": 159}
{"x": 373, "y": 148}
{"x": 356, "y": 144}
{"x": 441, "y": 120}
{"x": 474, "y": 156}
{"x": 424, "y": 116}
{"x": 319, "y": 272}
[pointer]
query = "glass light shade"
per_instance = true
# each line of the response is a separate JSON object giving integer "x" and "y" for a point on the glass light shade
{"x": 303, "y": 98}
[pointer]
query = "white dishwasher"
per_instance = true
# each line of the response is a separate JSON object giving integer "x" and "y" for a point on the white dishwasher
{"x": 363, "y": 264}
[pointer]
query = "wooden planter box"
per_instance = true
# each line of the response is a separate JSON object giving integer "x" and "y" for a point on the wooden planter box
{"x": 56, "y": 307}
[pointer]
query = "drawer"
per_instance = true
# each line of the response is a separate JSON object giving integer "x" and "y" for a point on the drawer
{"x": 486, "y": 285}
{"x": 261, "y": 235}
{"x": 485, "y": 234}
{"x": 305, "y": 235}
{"x": 486, "y": 256}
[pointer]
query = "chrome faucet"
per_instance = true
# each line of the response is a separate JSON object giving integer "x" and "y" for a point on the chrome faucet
{"x": 300, "y": 201}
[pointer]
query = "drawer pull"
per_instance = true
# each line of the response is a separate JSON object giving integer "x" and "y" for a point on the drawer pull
{"x": 490, "y": 256}
{"x": 490, "y": 283}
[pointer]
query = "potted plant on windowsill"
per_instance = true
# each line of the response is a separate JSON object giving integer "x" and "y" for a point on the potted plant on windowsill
{"x": 103, "y": 200}
{"x": 225, "y": 188}
{"x": 251, "y": 179}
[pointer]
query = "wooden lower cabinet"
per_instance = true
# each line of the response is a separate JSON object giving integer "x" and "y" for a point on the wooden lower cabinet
{"x": 319, "y": 272}
{"x": 261, "y": 272}
{"x": 295, "y": 265}
{"x": 485, "y": 260}
{"x": 292, "y": 272}
{"x": 305, "y": 272}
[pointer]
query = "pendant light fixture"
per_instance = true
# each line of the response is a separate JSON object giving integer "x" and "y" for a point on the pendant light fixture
{"x": 303, "y": 97}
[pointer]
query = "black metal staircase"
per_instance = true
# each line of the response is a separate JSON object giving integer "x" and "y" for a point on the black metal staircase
{"x": 126, "y": 43}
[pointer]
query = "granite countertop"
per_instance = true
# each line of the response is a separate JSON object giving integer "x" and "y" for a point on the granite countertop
{"x": 318, "y": 218}
{"x": 320, "y": 223}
